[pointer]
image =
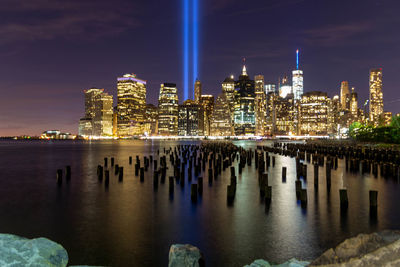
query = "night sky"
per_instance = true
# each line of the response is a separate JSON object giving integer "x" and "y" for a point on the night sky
{"x": 50, "y": 51}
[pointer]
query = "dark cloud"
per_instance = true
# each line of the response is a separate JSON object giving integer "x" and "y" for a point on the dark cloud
{"x": 45, "y": 19}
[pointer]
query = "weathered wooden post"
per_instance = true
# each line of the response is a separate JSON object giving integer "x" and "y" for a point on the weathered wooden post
{"x": 298, "y": 188}
{"x": 59, "y": 177}
{"x": 200, "y": 185}
{"x": 303, "y": 197}
{"x": 344, "y": 201}
{"x": 100, "y": 172}
{"x": 284, "y": 173}
{"x": 121, "y": 174}
{"x": 112, "y": 162}
{"x": 68, "y": 173}
{"x": 316, "y": 175}
{"x": 141, "y": 174}
{"x": 130, "y": 160}
{"x": 193, "y": 192}
{"x": 171, "y": 184}
{"x": 107, "y": 178}
{"x": 105, "y": 162}
{"x": 373, "y": 198}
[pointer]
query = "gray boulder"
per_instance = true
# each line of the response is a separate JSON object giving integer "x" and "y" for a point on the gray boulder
{"x": 377, "y": 249}
{"x": 259, "y": 263}
{"x": 17, "y": 251}
{"x": 185, "y": 256}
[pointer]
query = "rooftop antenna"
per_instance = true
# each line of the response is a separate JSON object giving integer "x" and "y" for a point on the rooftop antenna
{"x": 297, "y": 59}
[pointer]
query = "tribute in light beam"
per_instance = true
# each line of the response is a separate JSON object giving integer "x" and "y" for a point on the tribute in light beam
{"x": 185, "y": 49}
{"x": 195, "y": 27}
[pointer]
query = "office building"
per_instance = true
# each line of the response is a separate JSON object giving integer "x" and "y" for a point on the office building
{"x": 221, "y": 121}
{"x": 168, "y": 110}
{"x": 197, "y": 91}
{"x": 313, "y": 114}
{"x": 190, "y": 119}
{"x": 260, "y": 105}
{"x": 131, "y": 93}
{"x": 375, "y": 96}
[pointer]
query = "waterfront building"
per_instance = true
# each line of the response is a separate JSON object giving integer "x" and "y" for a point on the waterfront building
{"x": 228, "y": 88}
{"x": 353, "y": 105}
{"x": 334, "y": 110}
{"x": 244, "y": 107}
{"x": 375, "y": 96}
{"x": 270, "y": 88}
{"x": 150, "y": 120}
{"x": 197, "y": 91}
{"x": 168, "y": 110}
{"x": 85, "y": 127}
{"x": 269, "y": 121}
{"x": 221, "y": 120}
{"x": 207, "y": 102}
{"x": 297, "y": 80}
{"x": 345, "y": 95}
{"x": 190, "y": 119}
{"x": 260, "y": 105}
{"x": 131, "y": 93}
{"x": 98, "y": 112}
{"x": 313, "y": 114}
{"x": 284, "y": 87}
{"x": 283, "y": 115}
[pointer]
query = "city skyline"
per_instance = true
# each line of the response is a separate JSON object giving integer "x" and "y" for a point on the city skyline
{"x": 333, "y": 48}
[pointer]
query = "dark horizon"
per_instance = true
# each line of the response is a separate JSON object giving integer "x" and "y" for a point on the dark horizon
{"x": 51, "y": 51}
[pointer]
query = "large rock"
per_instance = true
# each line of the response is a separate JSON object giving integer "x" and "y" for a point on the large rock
{"x": 259, "y": 263}
{"x": 377, "y": 249}
{"x": 17, "y": 251}
{"x": 290, "y": 263}
{"x": 185, "y": 256}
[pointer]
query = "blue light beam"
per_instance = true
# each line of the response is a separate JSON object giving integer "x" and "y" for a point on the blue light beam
{"x": 185, "y": 49}
{"x": 195, "y": 40}
{"x": 297, "y": 59}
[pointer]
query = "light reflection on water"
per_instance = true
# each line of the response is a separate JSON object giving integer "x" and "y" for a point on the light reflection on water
{"x": 130, "y": 224}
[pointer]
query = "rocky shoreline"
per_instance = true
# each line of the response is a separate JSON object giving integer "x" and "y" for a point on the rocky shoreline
{"x": 376, "y": 249}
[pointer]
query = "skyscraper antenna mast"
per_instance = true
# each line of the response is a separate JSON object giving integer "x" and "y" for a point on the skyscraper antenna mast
{"x": 297, "y": 59}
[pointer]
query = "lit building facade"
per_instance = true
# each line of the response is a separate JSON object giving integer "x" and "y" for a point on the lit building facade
{"x": 283, "y": 115}
{"x": 375, "y": 96}
{"x": 244, "y": 107}
{"x": 354, "y": 105}
{"x": 197, "y": 91}
{"x": 297, "y": 83}
{"x": 270, "y": 88}
{"x": 98, "y": 112}
{"x": 190, "y": 119}
{"x": 168, "y": 110}
{"x": 150, "y": 120}
{"x": 313, "y": 114}
{"x": 284, "y": 87}
{"x": 207, "y": 102}
{"x": 345, "y": 95}
{"x": 221, "y": 120}
{"x": 131, "y": 105}
{"x": 260, "y": 105}
{"x": 228, "y": 88}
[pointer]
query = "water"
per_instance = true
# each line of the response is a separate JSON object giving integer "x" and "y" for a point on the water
{"x": 129, "y": 224}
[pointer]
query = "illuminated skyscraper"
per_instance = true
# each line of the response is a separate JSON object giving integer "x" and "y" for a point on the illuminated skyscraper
{"x": 207, "y": 102}
{"x": 270, "y": 88}
{"x": 313, "y": 119}
{"x": 260, "y": 104}
{"x": 197, "y": 91}
{"x": 99, "y": 112}
{"x": 375, "y": 96}
{"x": 345, "y": 95}
{"x": 228, "y": 88}
{"x": 168, "y": 110}
{"x": 150, "y": 120}
{"x": 283, "y": 114}
{"x": 353, "y": 105}
{"x": 221, "y": 121}
{"x": 297, "y": 80}
{"x": 244, "y": 108}
{"x": 284, "y": 87}
{"x": 190, "y": 119}
{"x": 131, "y": 105}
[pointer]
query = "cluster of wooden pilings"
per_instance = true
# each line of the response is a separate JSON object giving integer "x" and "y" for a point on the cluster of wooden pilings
{"x": 188, "y": 163}
{"x": 357, "y": 159}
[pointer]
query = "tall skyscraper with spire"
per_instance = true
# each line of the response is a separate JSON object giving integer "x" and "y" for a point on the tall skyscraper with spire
{"x": 297, "y": 79}
{"x": 244, "y": 108}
